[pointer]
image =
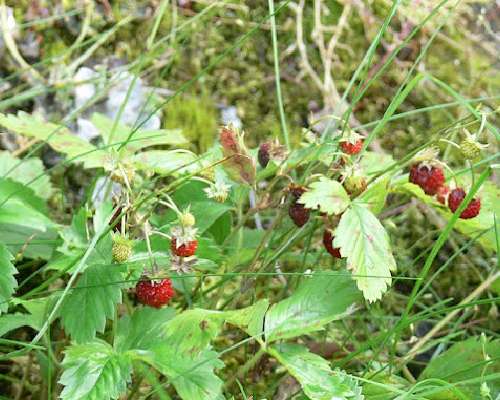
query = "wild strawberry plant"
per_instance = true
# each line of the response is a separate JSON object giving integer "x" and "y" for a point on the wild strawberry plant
{"x": 250, "y": 270}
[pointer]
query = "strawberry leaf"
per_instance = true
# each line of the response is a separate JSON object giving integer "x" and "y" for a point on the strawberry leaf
{"x": 94, "y": 371}
{"x": 93, "y": 299}
{"x": 462, "y": 364}
{"x": 327, "y": 195}
{"x": 320, "y": 299}
{"x": 318, "y": 381}
{"x": 131, "y": 329}
{"x": 29, "y": 171}
{"x": 8, "y": 283}
{"x": 58, "y": 137}
{"x": 192, "y": 375}
{"x": 191, "y": 331}
{"x": 364, "y": 241}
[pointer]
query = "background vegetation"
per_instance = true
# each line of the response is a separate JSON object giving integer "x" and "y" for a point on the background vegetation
{"x": 93, "y": 91}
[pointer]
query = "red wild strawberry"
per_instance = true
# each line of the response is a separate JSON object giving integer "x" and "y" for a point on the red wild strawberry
{"x": 154, "y": 293}
{"x": 328, "y": 243}
{"x": 298, "y": 213}
{"x": 455, "y": 198}
{"x": 442, "y": 194}
{"x": 429, "y": 178}
{"x": 264, "y": 154}
{"x": 352, "y": 148}
{"x": 184, "y": 250}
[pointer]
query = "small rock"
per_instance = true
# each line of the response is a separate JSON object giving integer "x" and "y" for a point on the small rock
{"x": 84, "y": 91}
{"x": 86, "y": 129}
{"x": 229, "y": 115}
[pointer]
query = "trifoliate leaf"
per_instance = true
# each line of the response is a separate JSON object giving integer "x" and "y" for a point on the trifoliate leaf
{"x": 320, "y": 299}
{"x": 327, "y": 195}
{"x": 364, "y": 242}
{"x": 8, "y": 283}
{"x": 318, "y": 381}
{"x": 94, "y": 371}
{"x": 91, "y": 301}
{"x": 192, "y": 375}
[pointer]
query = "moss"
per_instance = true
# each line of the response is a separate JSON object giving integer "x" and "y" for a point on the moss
{"x": 196, "y": 116}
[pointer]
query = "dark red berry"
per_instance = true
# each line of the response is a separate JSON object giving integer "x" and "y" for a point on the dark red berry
{"x": 298, "y": 213}
{"x": 429, "y": 178}
{"x": 185, "y": 250}
{"x": 442, "y": 194}
{"x": 264, "y": 154}
{"x": 351, "y": 148}
{"x": 154, "y": 293}
{"x": 455, "y": 198}
{"x": 328, "y": 243}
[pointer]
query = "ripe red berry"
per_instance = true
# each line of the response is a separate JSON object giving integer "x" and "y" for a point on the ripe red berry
{"x": 264, "y": 154}
{"x": 154, "y": 293}
{"x": 429, "y": 178}
{"x": 442, "y": 194}
{"x": 328, "y": 243}
{"x": 455, "y": 198}
{"x": 351, "y": 148}
{"x": 298, "y": 213}
{"x": 185, "y": 250}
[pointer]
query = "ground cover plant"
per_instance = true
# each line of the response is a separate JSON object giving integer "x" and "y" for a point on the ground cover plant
{"x": 249, "y": 200}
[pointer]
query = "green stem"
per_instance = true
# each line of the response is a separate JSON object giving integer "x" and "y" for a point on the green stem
{"x": 277, "y": 77}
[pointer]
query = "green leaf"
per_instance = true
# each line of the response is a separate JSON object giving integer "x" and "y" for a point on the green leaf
{"x": 93, "y": 371}
{"x": 26, "y": 171}
{"x": 384, "y": 386}
{"x": 320, "y": 299}
{"x": 38, "y": 309}
{"x": 140, "y": 139}
{"x": 9, "y": 322}
{"x": 466, "y": 361}
{"x": 250, "y": 319}
{"x": 191, "y": 331}
{"x": 165, "y": 162}
{"x": 364, "y": 242}
{"x": 192, "y": 375}
{"x": 327, "y": 195}
{"x": 8, "y": 283}
{"x": 318, "y": 381}
{"x": 131, "y": 329}
{"x": 57, "y": 136}
{"x": 375, "y": 195}
{"x": 91, "y": 301}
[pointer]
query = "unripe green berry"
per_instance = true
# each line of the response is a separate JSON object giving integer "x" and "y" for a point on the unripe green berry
{"x": 187, "y": 219}
{"x": 122, "y": 249}
{"x": 470, "y": 148}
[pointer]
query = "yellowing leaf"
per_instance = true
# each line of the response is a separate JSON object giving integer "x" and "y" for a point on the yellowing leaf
{"x": 329, "y": 195}
{"x": 365, "y": 243}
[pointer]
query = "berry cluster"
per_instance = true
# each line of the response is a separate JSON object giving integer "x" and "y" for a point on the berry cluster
{"x": 430, "y": 177}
